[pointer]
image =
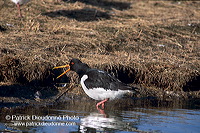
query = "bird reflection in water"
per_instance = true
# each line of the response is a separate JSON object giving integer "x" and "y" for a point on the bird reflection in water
{"x": 105, "y": 123}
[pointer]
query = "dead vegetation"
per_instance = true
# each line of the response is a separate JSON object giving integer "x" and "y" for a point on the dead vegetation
{"x": 151, "y": 43}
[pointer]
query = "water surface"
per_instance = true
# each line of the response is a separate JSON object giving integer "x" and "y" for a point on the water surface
{"x": 121, "y": 117}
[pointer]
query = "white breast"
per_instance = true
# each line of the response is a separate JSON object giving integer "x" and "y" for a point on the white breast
{"x": 101, "y": 93}
{"x": 21, "y": 2}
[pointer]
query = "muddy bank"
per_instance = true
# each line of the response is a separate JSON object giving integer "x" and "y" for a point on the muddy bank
{"x": 23, "y": 89}
{"x": 151, "y": 44}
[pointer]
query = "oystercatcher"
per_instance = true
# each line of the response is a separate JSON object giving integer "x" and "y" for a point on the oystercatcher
{"x": 19, "y": 3}
{"x": 97, "y": 84}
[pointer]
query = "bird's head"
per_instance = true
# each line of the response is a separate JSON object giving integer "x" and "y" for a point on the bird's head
{"x": 74, "y": 65}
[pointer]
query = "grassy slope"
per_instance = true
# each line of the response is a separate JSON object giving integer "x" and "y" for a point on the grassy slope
{"x": 156, "y": 42}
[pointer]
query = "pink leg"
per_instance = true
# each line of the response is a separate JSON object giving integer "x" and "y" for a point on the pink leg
{"x": 102, "y": 111}
{"x": 19, "y": 10}
{"x": 101, "y": 103}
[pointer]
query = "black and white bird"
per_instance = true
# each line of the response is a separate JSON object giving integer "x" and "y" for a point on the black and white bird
{"x": 97, "y": 84}
{"x": 19, "y": 3}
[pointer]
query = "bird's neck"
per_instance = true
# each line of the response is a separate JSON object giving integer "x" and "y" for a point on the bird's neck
{"x": 83, "y": 70}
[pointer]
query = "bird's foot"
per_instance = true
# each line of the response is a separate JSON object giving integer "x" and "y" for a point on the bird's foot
{"x": 102, "y": 104}
{"x": 101, "y": 111}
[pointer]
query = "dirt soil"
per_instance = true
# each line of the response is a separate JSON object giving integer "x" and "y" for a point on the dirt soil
{"x": 153, "y": 45}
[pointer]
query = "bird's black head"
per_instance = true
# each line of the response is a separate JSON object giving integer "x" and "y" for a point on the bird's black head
{"x": 75, "y": 65}
{"x": 79, "y": 67}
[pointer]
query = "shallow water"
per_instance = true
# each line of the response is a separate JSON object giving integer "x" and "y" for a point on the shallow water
{"x": 82, "y": 116}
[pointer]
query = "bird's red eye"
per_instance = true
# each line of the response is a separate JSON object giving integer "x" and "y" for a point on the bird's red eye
{"x": 72, "y": 63}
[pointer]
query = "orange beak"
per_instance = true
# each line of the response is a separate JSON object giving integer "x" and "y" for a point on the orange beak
{"x": 63, "y": 72}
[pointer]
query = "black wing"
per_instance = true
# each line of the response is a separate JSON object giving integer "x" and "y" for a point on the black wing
{"x": 101, "y": 79}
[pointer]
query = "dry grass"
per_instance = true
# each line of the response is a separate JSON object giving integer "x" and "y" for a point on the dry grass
{"x": 156, "y": 42}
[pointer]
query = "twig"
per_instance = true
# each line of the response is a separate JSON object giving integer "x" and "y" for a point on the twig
{"x": 139, "y": 34}
{"x": 62, "y": 93}
{"x": 63, "y": 47}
